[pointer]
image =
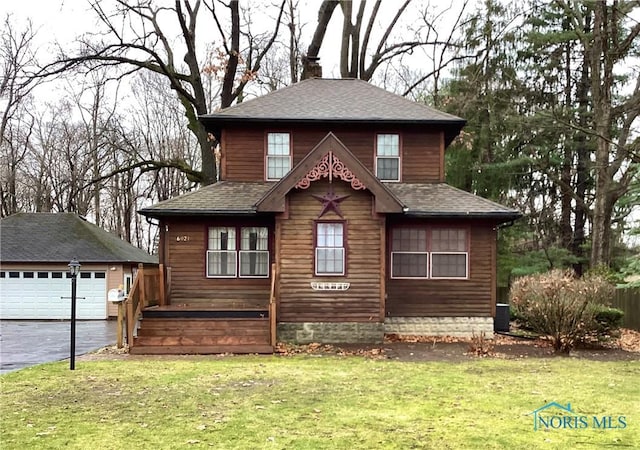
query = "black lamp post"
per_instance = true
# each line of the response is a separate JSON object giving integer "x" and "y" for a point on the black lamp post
{"x": 74, "y": 270}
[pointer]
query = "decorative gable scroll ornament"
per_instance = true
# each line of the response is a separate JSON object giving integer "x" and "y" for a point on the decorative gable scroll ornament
{"x": 329, "y": 167}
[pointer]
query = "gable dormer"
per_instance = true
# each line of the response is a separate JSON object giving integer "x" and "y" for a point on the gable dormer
{"x": 396, "y": 139}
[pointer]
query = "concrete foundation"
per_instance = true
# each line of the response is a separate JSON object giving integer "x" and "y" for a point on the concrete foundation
{"x": 439, "y": 326}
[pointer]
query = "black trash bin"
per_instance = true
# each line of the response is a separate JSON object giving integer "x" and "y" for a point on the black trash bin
{"x": 501, "y": 322}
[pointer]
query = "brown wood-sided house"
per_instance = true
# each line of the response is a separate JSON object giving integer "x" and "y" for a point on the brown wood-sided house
{"x": 339, "y": 185}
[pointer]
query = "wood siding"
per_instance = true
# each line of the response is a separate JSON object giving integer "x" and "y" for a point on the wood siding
{"x": 244, "y": 149}
{"x": 432, "y": 298}
{"x": 297, "y": 301}
{"x": 185, "y": 253}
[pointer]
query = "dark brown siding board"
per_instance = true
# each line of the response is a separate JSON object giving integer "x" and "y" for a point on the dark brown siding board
{"x": 243, "y": 148}
{"x": 421, "y": 157}
{"x": 433, "y": 298}
{"x": 297, "y": 301}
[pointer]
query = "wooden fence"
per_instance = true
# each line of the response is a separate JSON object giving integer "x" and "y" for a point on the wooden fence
{"x": 626, "y": 299}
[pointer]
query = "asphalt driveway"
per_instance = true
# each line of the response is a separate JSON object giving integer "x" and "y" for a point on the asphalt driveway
{"x": 25, "y": 343}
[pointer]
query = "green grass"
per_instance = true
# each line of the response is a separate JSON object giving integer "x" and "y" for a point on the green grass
{"x": 307, "y": 402}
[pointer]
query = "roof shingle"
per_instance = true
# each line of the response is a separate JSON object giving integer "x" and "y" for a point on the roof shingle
{"x": 221, "y": 198}
{"x": 442, "y": 200}
{"x": 59, "y": 237}
{"x": 345, "y": 99}
{"x": 419, "y": 200}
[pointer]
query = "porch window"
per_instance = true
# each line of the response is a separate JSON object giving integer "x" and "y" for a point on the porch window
{"x": 278, "y": 155}
{"x": 409, "y": 257}
{"x": 449, "y": 253}
{"x": 388, "y": 157}
{"x": 330, "y": 254}
{"x": 254, "y": 253}
{"x": 423, "y": 252}
{"x": 229, "y": 257}
{"x": 221, "y": 255}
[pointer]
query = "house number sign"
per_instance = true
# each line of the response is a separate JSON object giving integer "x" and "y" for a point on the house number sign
{"x": 183, "y": 238}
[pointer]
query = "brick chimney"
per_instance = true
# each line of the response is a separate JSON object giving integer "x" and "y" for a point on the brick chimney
{"x": 311, "y": 67}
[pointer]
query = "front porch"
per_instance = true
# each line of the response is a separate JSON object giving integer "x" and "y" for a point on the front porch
{"x": 239, "y": 324}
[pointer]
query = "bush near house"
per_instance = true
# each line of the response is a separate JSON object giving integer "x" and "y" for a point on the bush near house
{"x": 565, "y": 308}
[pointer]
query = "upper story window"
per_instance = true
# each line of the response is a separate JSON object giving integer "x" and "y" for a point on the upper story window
{"x": 388, "y": 157}
{"x": 248, "y": 256}
{"x": 330, "y": 254}
{"x": 278, "y": 155}
{"x": 421, "y": 252}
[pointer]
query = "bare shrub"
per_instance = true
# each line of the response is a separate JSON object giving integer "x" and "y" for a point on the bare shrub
{"x": 560, "y": 305}
{"x": 480, "y": 345}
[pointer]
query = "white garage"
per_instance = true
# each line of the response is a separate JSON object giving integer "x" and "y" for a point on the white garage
{"x": 35, "y": 251}
{"x": 45, "y": 294}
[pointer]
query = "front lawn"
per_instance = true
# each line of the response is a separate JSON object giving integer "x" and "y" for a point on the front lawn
{"x": 313, "y": 402}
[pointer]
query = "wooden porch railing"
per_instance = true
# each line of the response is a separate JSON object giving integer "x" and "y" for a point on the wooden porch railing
{"x": 272, "y": 305}
{"x": 148, "y": 290}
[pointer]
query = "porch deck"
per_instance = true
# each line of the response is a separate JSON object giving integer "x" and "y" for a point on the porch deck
{"x": 189, "y": 325}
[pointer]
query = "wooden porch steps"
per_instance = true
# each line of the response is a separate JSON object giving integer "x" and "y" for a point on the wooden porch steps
{"x": 202, "y": 330}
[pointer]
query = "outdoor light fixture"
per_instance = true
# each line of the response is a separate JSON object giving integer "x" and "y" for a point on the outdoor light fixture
{"x": 74, "y": 270}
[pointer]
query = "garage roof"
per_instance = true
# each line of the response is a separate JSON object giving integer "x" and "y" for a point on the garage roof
{"x": 60, "y": 237}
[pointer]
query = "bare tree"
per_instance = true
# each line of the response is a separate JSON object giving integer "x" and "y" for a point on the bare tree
{"x": 17, "y": 60}
{"x": 137, "y": 36}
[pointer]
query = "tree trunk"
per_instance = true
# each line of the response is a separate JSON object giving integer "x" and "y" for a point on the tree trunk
{"x": 601, "y": 87}
{"x": 582, "y": 156}
{"x": 565, "y": 175}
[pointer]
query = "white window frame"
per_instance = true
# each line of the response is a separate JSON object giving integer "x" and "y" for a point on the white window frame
{"x": 466, "y": 269}
{"x": 378, "y": 156}
{"x": 277, "y": 156}
{"x": 248, "y": 253}
{"x": 235, "y": 265}
{"x": 342, "y": 251}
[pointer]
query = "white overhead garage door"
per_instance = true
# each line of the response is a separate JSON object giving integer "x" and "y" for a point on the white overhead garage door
{"x": 37, "y": 295}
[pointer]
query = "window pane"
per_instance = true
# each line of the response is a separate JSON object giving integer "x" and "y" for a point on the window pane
{"x": 448, "y": 265}
{"x": 278, "y": 144}
{"x": 277, "y": 166}
{"x": 388, "y": 145}
{"x": 330, "y": 235}
{"x": 448, "y": 240}
{"x": 409, "y": 240}
{"x": 254, "y": 238}
{"x": 221, "y": 263}
{"x": 254, "y": 263}
{"x": 43, "y": 274}
{"x": 409, "y": 265}
{"x": 222, "y": 238}
{"x": 388, "y": 168}
{"x": 330, "y": 261}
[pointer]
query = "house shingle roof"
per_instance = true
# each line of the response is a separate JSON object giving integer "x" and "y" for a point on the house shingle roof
{"x": 442, "y": 200}
{"x": 419, "y": 199}
{"x": 334, "y": 100}
{"x": 222, "y": 198}
{"x": 59, "y": 237}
